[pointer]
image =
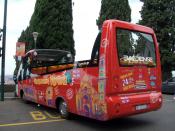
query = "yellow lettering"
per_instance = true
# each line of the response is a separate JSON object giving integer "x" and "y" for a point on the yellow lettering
{"x": 58, "y": 80}
{"x": 51, "y": 116}
{"x": 128, "y": 87}
{"x": 37, "y": 115}
{"x": 53, "y": 81}
{"x": 41, "y": 81}
{"x": 126, "y": 75}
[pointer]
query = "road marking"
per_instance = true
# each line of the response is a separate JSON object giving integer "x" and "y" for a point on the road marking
{"x": 38, "y": 115}
{"x": 51, "y": 116}
{"x": 30, "y": 123}
{"x": 11, "y": 98}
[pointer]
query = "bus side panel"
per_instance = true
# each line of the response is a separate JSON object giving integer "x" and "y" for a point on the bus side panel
{"x": 159, "y": 74}
{"x": 78, "y": 87}
{"x": 88, "y": 97}
{"x": 27, "y": 90}
{"x": 52, "y": 86}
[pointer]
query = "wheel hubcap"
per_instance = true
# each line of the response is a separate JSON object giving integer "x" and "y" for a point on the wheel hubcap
{"x": 63, "y": 108}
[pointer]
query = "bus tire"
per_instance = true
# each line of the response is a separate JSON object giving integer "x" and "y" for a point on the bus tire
{"x": 63, "y": 110}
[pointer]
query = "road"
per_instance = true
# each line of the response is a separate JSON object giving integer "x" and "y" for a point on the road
{"x": 16, "y": 115}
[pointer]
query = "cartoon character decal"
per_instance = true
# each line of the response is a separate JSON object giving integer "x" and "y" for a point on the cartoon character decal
{"x": 30, "y": 93}
{"x": 88, "y": 102}
{"x": 84, "y": 98}
{"x": 68, "y": 77}
{"x": 49, "y": 96}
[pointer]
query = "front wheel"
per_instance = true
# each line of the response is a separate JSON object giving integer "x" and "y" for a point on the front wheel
{"x": 63, "y": 109}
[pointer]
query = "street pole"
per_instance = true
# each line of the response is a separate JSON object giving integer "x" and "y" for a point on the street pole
{"x": 3, "y": 51}
{"x": 35, "y": 36}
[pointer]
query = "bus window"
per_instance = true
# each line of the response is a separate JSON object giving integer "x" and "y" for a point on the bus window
{"x": 96, "y": 49}
{"x": 20, "y": 76}
{"x": 172, "y": 80}
{"x": 26, "y": 67}
{"x": 135, "y": 48}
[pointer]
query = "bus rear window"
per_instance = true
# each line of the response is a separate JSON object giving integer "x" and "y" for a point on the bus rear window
{"x": 135, "y": 48}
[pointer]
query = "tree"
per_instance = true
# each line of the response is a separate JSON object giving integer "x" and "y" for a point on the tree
{"x": 114, "y": 9}
{"x": 53, "y": 21}
{"x": 120, "y": 10}
{"x": 160, "y": 15}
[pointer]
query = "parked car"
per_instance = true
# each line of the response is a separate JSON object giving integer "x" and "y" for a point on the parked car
{"x": 169, "y": 86}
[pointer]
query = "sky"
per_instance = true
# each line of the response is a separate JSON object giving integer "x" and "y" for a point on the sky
{"x": 85, "y": 13}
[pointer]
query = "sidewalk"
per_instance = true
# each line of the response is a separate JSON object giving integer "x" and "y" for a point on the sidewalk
{"x": 9, "y": 95}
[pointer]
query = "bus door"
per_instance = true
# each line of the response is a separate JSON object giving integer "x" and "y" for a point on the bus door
{"x": 26, "y": 88}
{"x": 40, "y": 80}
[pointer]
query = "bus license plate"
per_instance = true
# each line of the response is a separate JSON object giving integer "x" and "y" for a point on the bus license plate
{"x": 141, "y": 107}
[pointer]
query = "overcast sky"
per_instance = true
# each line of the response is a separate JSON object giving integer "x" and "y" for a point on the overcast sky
{"x": 85, "y": 13}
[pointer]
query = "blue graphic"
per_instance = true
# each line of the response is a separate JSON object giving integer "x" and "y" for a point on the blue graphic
{"x": 153, "y": 77}
{"x": 153, "y": 83}
{"x": 69, "y": 77}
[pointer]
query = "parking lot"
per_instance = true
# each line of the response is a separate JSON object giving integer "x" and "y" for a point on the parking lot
{"x": 18, "y": 115}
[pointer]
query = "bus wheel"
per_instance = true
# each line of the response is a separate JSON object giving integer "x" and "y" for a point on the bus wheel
{"x": 63, "y": 109}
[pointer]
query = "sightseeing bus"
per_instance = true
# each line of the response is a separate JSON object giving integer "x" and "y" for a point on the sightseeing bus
{"x": 122, "y": 78}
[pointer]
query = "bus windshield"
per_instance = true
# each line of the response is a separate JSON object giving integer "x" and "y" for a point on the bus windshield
{"x": 135, "y": 48}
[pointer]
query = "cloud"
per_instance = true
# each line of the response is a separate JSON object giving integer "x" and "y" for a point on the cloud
{"x": 85, "y": 14}
{"x": 136, "y": 6}
{"x": 18, "y": 17}
{"x": 84, "y": 23}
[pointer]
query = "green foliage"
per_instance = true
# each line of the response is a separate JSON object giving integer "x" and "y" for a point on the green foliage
{"x": 125, "y": 42}
{"x": 26, "y": 36}
{"x": 114, "y": 9}
{"x": 120, "y": 10}
{"x": 160, "y": 15}
{"x": 53, "y": 21}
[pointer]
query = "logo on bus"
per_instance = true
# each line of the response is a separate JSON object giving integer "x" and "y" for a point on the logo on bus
{"x": 55, "y": 80}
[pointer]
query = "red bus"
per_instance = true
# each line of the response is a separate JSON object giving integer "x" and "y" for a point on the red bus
{"x": 122, "y": 78}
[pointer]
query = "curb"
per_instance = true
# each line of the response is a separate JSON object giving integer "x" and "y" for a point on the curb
{"x": 11, "y": 98}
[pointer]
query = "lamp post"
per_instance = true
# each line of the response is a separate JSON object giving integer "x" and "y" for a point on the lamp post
{"x": 1, "y": 30}
{"x": 3, "y": 51}
{"x": 35, "y": 36}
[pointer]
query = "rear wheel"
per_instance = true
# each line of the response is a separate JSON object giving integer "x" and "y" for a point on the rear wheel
{"x": 63, "y": 109}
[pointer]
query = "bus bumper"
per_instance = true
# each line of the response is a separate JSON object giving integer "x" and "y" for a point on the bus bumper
{"x": 130, "y": 104}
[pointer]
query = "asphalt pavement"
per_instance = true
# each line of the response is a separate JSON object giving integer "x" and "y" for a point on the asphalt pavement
{"x": 18, "y": 115}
